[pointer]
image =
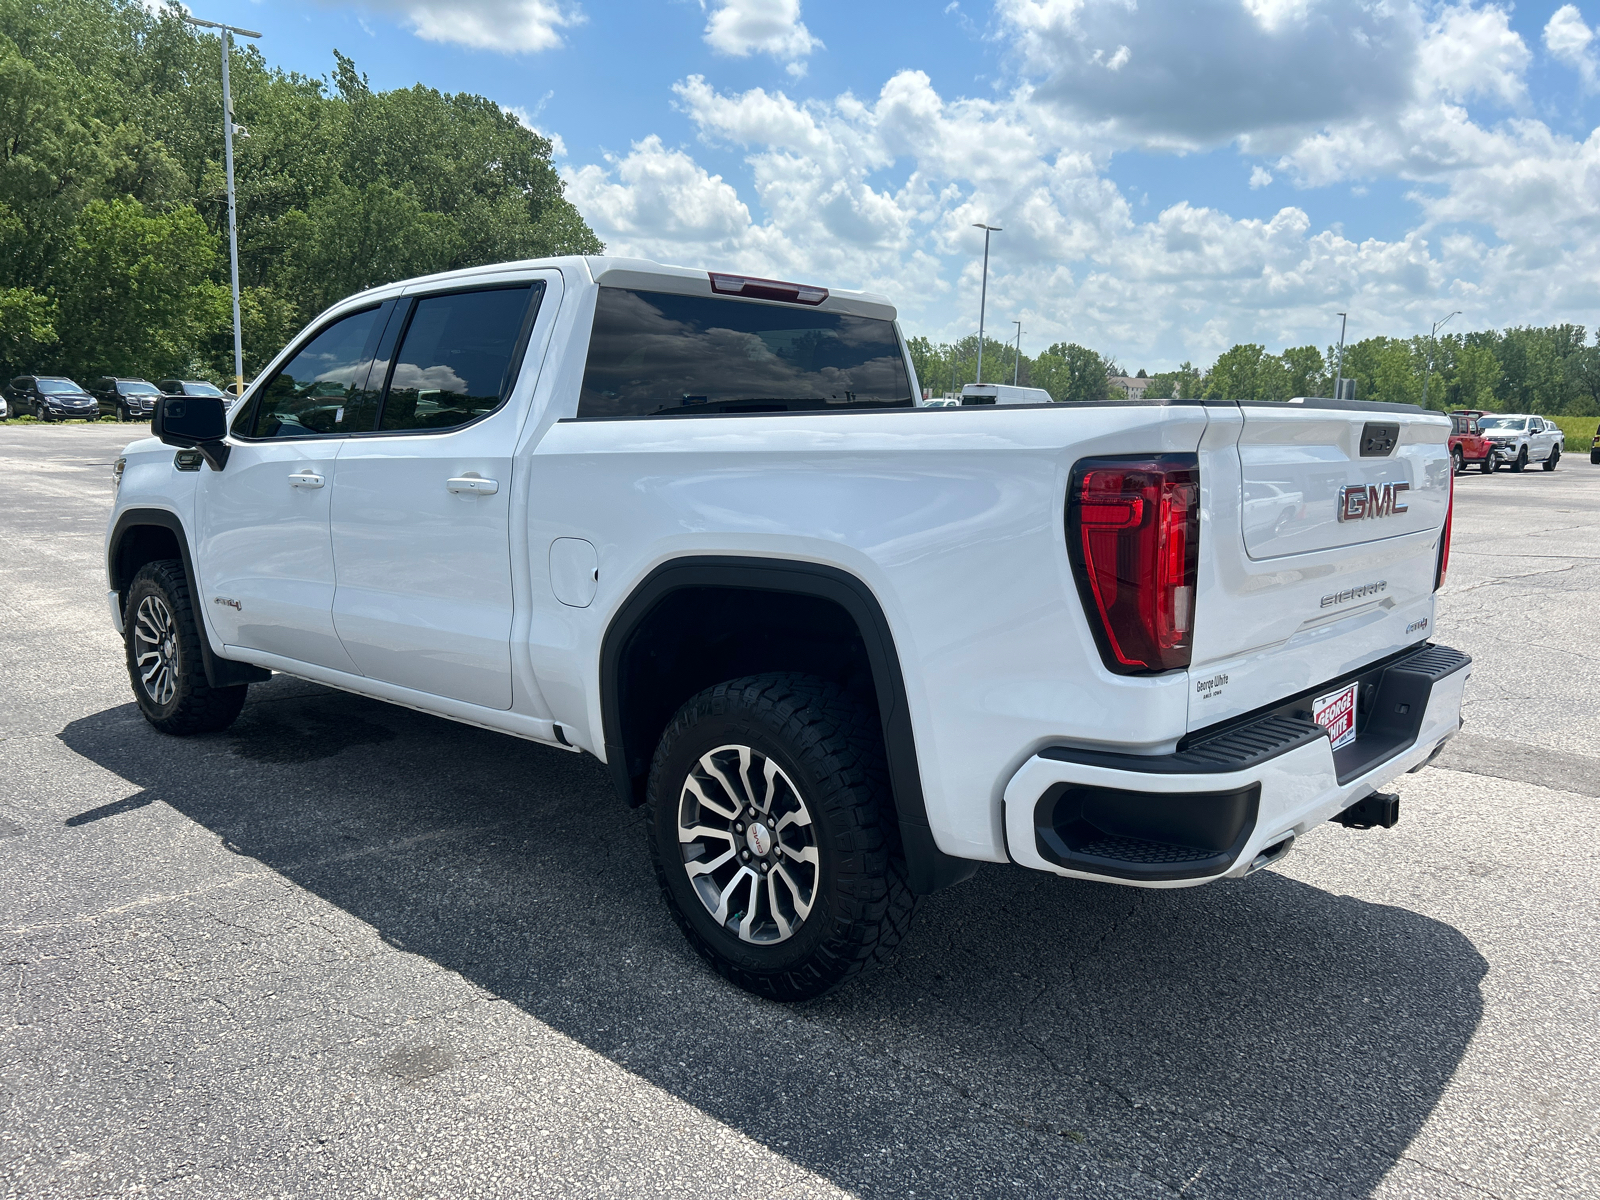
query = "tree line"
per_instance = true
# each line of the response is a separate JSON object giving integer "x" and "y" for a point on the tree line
{"x": 1552, "y": 369}
{"x": 113, "y": 204}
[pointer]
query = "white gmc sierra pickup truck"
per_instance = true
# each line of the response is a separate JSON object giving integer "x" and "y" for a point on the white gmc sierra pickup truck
{"x": 843, "y": 647}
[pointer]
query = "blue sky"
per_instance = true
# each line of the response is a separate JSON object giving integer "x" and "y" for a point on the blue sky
{"x": 1173, "y": 176}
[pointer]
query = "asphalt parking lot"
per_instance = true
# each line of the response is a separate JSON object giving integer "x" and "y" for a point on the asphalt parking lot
{"x": 348, "y": 949}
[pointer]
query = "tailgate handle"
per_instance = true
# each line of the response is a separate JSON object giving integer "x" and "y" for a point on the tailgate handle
{"x": 1378, "y": 438}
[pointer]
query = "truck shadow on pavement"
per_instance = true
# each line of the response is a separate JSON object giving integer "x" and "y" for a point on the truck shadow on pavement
{"x": 1034, "y": 1036}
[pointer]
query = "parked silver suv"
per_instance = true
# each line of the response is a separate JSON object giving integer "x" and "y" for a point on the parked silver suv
{"x": 1521, "y": 438}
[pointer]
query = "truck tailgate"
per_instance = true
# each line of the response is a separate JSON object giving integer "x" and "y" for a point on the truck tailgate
{"x": 1319, "y": 540}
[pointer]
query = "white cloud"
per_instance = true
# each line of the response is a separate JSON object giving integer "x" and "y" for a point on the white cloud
{"x": 1569, "y": 40}
{"x": 1207, "y": 71}
{"x": 661, "y": 205}
{"x": 508, "y": 26}
{"x": 879, "y": 191}
{"x": 1470, "y": 52}
{"x": 745, "y": 27}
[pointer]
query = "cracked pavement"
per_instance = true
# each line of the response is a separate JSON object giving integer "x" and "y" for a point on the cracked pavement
{"x": 349, "y": 949}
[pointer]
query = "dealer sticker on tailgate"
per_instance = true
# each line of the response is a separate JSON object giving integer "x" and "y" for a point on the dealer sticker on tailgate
{"x": 1336, "y": 712}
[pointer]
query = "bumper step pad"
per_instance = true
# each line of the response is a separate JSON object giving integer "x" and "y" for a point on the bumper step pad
{"x": 1153, "y": 835}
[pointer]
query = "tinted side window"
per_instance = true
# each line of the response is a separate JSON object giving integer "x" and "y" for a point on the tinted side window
{"x": 454, "y": 360}
{"x": 653, "y": 352}
{"x": 323, "y": 388}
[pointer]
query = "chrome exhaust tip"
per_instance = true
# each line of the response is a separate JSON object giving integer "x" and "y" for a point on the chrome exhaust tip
{"x": 1271, "y": 854}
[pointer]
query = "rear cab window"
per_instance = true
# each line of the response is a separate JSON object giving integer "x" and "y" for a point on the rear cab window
{"x": 659, "y": 354}
{"x": 457, "y": 358}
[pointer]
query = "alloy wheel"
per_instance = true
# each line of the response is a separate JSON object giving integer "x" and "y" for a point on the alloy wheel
{"x": 749, "y": 845}
{"x": 155, "y": 649}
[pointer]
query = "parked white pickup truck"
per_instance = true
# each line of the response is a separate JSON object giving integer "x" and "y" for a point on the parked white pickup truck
{"x": 842, "y": 646}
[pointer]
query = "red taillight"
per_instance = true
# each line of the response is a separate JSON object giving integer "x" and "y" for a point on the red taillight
{"x": 1133, "y": 531}
{"x": 1444, "y": 541}
{"x": 766, "y": 289}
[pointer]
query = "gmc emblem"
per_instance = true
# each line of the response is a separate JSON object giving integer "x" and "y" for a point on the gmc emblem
{"x": 1360, "y": 500}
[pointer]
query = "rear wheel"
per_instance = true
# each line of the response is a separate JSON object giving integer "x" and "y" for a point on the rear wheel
{"x": 164, "y": 661}
{"x": 1555, "y": 457}
{"x": 1522, "y": 460}
{"x": 773, "y": 835}
{"x": 1594, "y": 457}
{"x": 1458, "y": 460}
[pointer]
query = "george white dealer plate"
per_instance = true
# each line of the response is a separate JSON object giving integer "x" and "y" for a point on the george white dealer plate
{"x": 1336, "y": 712}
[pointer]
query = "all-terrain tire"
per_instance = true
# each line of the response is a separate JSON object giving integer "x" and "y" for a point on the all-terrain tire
{"x": 1458, "y": 461}
{"x": 1552, "y": 458}
{"x": 828, "y": 742}
{"x": 1486, "y": 467}
{"x": 162, "y": 640}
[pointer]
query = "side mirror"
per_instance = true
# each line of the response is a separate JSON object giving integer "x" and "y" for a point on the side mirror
{"x": 194, "y": 422}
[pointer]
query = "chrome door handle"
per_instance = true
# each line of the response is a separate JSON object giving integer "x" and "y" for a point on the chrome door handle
{"x": 305, "y": 479}
{"x": 472, "y": 485}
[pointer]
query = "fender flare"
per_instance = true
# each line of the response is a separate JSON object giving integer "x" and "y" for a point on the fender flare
{"x": 220, "y": 672}
{"x": 929, "y": 868}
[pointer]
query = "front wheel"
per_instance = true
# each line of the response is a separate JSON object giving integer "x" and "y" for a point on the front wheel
{"x": 1522, "y": 460}
{"x": 1486, "y": 467}
{"x": 163, "y": 650}
{"x": 1555, "y": 457}
{"x": 774, "y": 837}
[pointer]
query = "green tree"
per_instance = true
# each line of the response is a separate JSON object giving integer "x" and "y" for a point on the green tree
{"x": 135, "y": 290}
{"x": 1072, "y": 373}
{"x": 339, "y": 186}
{"x": 1582, "y": 370}
{"x": 1237, "y": 374}
{"x": 1305, "y": 372}
{"x": 27, "y": 329}
{"x": 1182, "y": 384}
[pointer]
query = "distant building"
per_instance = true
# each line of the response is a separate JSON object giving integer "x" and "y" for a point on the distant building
{"x": 1132, "y": 386}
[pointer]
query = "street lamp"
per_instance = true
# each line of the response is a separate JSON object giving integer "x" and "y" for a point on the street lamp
{"x": 1016, "y": 359}
{"x": 983, "y": 294}
{"x": 228, "y": 128}
{"x": 1433, "y": 343}
{"x": 1338, "y": 371}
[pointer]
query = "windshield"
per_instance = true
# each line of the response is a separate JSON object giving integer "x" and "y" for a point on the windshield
{"x": 201, "y": 389}
{"x": 58, "y": 387}
{"x": 138, "y": 389}
{"x": 1489, "y": 424}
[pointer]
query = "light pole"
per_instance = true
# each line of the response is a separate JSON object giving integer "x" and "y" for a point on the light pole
{"x": 1338, "y": 371}
{"x": 983, "y": 294}
{"x": 1016, "y": 359}
{"x": 1433, "y": 342}
{"x": 233, "y": 215}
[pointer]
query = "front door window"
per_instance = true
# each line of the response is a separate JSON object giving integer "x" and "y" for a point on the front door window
{"x": 323, "y": 388}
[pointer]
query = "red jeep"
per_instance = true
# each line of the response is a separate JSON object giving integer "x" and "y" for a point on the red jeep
{"x": 1467, "y": 445}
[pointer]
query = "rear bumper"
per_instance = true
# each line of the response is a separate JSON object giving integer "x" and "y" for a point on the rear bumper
{"x": 1233, "y": 800}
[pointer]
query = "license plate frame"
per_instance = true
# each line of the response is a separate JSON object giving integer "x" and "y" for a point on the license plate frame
{"x": 1336, "y": 712}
